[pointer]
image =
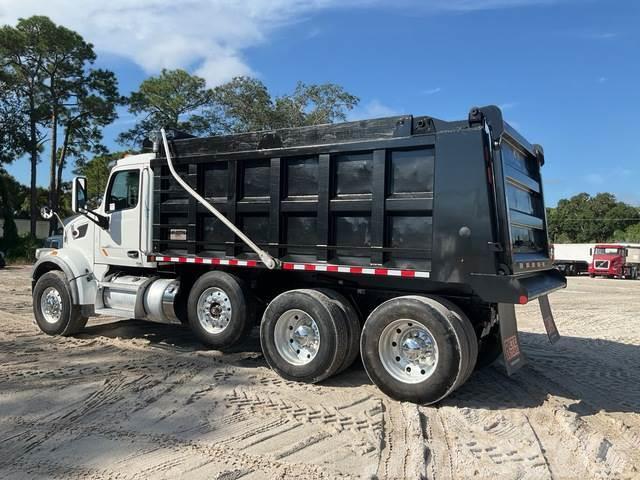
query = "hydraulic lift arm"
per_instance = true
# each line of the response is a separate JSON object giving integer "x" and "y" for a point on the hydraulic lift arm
{"x": 267, "y": 259}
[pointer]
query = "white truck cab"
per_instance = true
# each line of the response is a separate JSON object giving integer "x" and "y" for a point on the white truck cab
{"x": 104, "y": 262}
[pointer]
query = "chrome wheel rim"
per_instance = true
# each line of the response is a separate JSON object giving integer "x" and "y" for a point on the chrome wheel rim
{"x": 408, "y": 351}
{"x": 297, "y": 337}
{"x": 214, "y": 310}
{"x": 51, "y": 305}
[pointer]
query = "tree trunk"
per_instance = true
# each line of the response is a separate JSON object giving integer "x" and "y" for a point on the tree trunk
{"x": 53, "y": 197}
{"x": 33, "y": 137}
{"x": 61, "y": 161}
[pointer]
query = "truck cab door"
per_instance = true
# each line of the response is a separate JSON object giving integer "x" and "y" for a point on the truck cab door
{"x": 120, "y": 243}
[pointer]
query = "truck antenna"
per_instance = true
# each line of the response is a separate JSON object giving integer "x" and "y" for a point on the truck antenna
{"x": 267, "y": 259}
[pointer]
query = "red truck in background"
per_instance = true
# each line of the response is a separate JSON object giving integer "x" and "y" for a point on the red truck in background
{"x": 621, "y": 260}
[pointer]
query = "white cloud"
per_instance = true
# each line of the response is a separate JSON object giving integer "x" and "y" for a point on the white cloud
{"x": 373, "y": 109}
{"x": 206, "y": 35}
{"x": 432, "y": 91}
{"x": 602, "y": 79}
{"x": 508, "y": 106}
{"x": 223, "y": 68}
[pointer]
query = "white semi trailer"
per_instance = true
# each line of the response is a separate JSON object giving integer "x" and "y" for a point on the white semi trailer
{"x": 573, "y": 258}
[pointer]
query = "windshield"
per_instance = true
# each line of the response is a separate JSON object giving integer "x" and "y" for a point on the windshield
{"x": 608, "y": 251}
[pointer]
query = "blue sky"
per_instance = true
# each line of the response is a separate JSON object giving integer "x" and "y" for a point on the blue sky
{"x": 566, "y": 73}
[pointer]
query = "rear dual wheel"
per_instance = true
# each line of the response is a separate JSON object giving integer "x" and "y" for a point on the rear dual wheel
{"x": 309, "y": 335}
{"x": 418, "y": 349}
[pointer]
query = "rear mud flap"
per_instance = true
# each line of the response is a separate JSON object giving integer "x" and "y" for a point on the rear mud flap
{"x": 547, "y": 318}
{"x": 513, "y": 355}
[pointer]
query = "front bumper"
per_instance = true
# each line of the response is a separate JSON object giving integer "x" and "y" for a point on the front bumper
{"x": 518, "y": 289}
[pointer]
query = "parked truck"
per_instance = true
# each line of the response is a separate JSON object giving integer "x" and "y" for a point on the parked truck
{"x": 406, "y": 239}
{"x": 572, "y": 258}
{"x": 615, "y": 260}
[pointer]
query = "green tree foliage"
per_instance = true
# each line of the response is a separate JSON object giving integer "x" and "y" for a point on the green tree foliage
{"x": 10, "y": 235}
{"x": 247, "y": 105}
{"x": 9, "y": 229}
{"x": 91, "y": 107}
{"x": 177, "y": 99}
{"x": 631, "y": 234}
{"x": 12, "y": 194}
{"x": 50, "y": 69}
{"x": 23, "y": 50}
{"x": 13, "y": 120}
{"x": 584, "y": 218}
{"x": 173, "y": 99}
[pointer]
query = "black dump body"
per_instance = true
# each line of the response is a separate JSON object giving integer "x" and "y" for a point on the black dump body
{"x": 449, "y": 207}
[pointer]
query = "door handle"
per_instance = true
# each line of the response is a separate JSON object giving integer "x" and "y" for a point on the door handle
{"x": 133, "y": 254}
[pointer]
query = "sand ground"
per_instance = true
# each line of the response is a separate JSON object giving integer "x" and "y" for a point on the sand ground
{"x": 131, "y": 399}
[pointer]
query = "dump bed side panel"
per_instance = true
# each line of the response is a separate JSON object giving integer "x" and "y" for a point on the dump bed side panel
{"x": 361, "y": 203}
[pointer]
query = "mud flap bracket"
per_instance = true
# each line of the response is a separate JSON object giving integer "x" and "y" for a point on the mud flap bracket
{"x": 514, "y": 357}
{"x": 547, "y": 317}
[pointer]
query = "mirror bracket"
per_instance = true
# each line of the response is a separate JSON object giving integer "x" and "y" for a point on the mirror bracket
{"x": 100, "y": 220}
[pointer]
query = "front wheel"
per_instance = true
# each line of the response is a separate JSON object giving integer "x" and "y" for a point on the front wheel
{"x": 53, "y": 307}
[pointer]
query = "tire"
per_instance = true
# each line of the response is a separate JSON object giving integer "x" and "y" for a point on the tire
{"x": 352, "y": 321}
{"x": 442, "y": 338}
{"x": 287, "y": 336}
{"x": 489, "y": 348}
{"x": 458, "y": 315}
{"x": 58, "y": 316}
{"x": 220, "y": 309}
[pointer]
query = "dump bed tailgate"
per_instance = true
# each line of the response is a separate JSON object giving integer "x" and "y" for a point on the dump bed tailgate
{"x": 527, "y": 242}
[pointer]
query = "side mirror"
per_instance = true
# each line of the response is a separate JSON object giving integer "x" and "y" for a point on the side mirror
{"x": 79, "y": 194}
{"x": 591, "y": 252}
{"x": 46, "y": 213}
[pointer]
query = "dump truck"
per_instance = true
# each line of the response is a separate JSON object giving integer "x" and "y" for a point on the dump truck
{"x": 407, "y": 240}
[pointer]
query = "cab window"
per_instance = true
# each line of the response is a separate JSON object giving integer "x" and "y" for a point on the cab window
{"x": 123, "y": 190}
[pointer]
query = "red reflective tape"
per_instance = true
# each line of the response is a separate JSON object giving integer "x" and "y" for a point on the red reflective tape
{"x": 292, "y": 266}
